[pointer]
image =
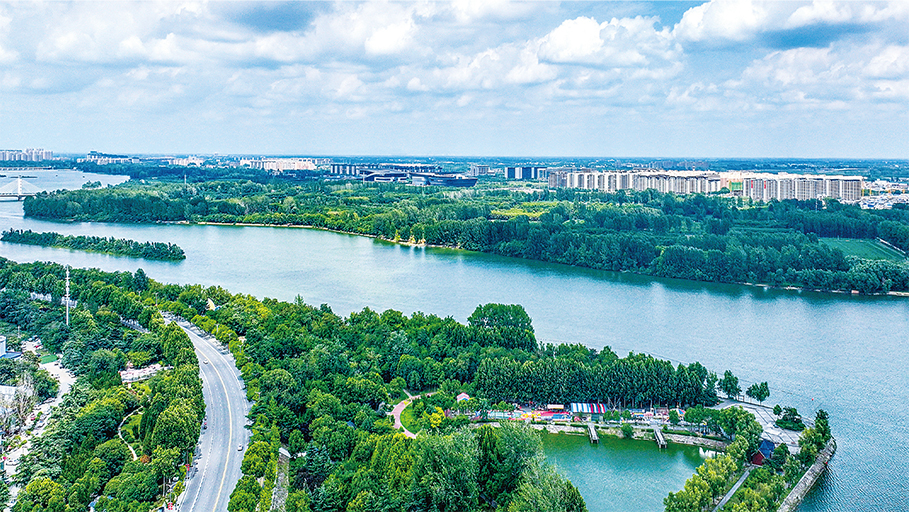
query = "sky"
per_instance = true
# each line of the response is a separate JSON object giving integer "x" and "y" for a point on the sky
{"x": 721, "y": 78}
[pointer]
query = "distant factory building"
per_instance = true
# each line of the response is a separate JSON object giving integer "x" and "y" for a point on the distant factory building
{"x": 359, "y": 169}
{"x": 442, "y": 180}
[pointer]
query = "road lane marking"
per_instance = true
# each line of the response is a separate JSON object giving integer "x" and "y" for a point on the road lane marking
{"x": 230, "y": 420}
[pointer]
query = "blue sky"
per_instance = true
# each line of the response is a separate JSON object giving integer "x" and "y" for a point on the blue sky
{"x": 718, "y": 78}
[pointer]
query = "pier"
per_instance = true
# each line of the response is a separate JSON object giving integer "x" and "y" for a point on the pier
{"x": 658, "y": 434}
{"x": 594, "y": 438}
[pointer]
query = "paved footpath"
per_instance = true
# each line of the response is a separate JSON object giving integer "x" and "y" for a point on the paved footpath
{"x": 396, "y": 413}
{"x": 731, "y": 492}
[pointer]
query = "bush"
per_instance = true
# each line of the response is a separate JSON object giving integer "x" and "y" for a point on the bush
{"x": 627, "y": 431}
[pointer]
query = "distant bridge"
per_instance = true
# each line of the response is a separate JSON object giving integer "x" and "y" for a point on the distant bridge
{"x": 18, "y": 189}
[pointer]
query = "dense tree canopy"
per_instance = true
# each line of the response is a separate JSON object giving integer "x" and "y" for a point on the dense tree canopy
{"x": 117, "y": 246}
{"x": 706, "y": 238}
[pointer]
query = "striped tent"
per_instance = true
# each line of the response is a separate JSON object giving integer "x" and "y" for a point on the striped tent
{"x": 588, "y": 408}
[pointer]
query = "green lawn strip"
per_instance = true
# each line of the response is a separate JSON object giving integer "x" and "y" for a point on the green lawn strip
{"x": 47, "y": 358}
{"x": 409, "y": 421}
{"x": 862, "y": 248}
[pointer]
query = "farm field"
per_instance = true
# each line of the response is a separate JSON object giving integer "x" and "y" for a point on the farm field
{"x": 862, "y": 248}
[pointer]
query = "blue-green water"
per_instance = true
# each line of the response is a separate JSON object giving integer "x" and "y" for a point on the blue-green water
{"x": 844, "y": 353}
{"x": 621, "y": 474}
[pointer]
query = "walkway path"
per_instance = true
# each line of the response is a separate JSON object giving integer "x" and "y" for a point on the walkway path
{"x": 731, "y": 492}
{"x": 120, "y": 433}
{"x": 809, "y": 478}
{"x": 398, "y": 409}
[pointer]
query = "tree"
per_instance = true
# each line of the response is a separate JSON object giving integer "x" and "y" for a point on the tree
{"x": 674, "y": 417}
{"x": 729, "y": 384}
{"x": 445, "y": 472}
{"x": 759, "y": 392}
{"x": 256, "y": 459}
{"x": 24, "y": 399}
{"x": 777, "y": 410}
{"x": 543, "y": 490}
{"x": 503, "y": 325}
{"x": 627, "y": 431}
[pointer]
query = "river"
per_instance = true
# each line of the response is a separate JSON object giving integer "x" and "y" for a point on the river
{"x": 846, "y": 354}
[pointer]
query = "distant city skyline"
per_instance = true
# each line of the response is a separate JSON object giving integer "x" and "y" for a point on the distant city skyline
{"x": 714, "y": 79}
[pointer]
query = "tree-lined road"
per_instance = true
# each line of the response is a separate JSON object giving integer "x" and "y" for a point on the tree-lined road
{"x": 217, "y": 469}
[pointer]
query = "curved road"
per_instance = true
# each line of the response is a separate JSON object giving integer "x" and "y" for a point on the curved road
{"x": 217, "y": 469}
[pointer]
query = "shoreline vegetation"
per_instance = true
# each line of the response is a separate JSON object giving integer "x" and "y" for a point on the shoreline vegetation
{"x": 695, "y": 237}
{"x": 425, "y": 245}
{"x": 318, "y": 382}
{"x": 114, "y": 246}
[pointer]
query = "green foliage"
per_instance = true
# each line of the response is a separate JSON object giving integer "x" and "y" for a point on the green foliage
{"x": 791, "y": 420}
{"x": 627, "y": 431}
{"x": 503, "y": 325}
{"x": 729, "y": 384}
{"x": 80, "y": 457}
{"x": 758, "y": 391}
{"x": 691, "y": 237}
{"x": 117, "y": 246}
{"x": 541, "y": 490}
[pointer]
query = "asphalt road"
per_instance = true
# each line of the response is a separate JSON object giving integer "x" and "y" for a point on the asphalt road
{"x": 217, "y": 469}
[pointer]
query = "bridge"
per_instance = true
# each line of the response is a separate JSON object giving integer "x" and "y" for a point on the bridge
{"x": 18, "y": 189}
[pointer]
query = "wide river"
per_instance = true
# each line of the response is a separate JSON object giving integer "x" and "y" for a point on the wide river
{"x": 846, "y": 354}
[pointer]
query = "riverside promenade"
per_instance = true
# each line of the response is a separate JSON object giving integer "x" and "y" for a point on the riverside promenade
{"x": 797, "y": 494}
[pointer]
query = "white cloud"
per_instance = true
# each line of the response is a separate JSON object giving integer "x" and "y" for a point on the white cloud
{"x": 890, "y": 62}
{"x": 575, "y": 40}
{"x": 820, "y": 11}
{"x": 414, "y": 84}
{"x": 734, "y": 20}
{"x": 625, "y": 42}
{"x": 391, "y": 39}
{"x": 471, "y": 11}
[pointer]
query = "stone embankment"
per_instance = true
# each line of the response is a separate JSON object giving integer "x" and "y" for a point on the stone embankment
{"x": 704, "y": 442}
{"x": 809, "y": 478}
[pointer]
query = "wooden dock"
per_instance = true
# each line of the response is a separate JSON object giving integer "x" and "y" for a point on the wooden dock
{"x": 594, "y": 438}
{"x": 658, "y": 434}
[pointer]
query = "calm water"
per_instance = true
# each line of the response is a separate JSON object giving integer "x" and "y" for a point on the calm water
{"x": 845, "y": 354}
{"x": 602, "y": 472}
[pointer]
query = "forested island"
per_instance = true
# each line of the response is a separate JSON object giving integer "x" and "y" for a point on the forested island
{"x": 107, "y": 245}
{"x": 698, "y": 237}
{"x": 320, "y": 384}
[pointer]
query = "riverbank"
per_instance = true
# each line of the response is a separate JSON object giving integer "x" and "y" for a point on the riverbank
{"x": 811, "y": 476}
{"x": 407, "y": 243}
{"x": 639, "y": 434}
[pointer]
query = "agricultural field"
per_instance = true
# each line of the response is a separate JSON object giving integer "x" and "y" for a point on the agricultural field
{"x": 863, "y": 248}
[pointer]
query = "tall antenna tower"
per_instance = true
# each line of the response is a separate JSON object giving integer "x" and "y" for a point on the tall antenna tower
{"x": 66, "y": 297}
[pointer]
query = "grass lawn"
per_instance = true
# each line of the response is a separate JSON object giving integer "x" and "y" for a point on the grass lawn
{"x": 47, "y": 358}
{"x": 863, "y": 248}
{"x": 408, "y": 420}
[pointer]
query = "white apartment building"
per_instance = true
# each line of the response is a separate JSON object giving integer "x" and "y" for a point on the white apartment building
{"x": 27, "y": 155}
{"x": 764, "y": 187}
{"x": 757, "y": 186}
{"x": 678, "y": 182}
{"x": 281, "y": 164}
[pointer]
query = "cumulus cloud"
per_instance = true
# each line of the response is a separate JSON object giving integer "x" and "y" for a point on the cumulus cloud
{"x": 461, "y": 60}
{"x": 733, "y": 20}
{"x": 621, "y": 42}
{"x": 788, "y": 24}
